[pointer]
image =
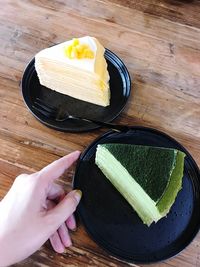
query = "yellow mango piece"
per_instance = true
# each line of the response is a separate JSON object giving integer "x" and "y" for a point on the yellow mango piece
{"x": 67, "y": 51}
{"x": 102, "y": 85}
{"x": 75, "y": 42}
{"x": 79, "y": 55}
{"x": 84, "y": 53}
{"x": 74, "y": 53}
{"x": 85, "y": 46}
{"x": 79, "y": 48}
{"x": 77, "y": 51}
{"x": 89, "y": 53}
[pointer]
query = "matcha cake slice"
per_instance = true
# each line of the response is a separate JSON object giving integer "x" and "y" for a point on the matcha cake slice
{"x": 149, "y": 178}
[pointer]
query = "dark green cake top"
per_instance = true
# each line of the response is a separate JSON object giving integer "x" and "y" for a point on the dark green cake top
{"x": 151, "y": 167}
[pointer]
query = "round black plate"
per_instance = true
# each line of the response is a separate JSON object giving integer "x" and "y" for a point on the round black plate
{"x": 120, "y": 86}
{"x": 115, "y": 226}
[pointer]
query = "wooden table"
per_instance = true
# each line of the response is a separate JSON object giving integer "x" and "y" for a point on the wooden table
{"x": 159, "y": 41}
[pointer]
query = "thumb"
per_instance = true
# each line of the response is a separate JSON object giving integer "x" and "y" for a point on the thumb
{"x": 61, "y": 212}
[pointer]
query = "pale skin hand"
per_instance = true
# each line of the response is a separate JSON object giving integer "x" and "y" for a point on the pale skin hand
{"x": 29, "y": 215}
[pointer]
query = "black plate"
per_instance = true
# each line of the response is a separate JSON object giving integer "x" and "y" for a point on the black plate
{"x": 115, "y": 226}
{"x": 120, "y": 86}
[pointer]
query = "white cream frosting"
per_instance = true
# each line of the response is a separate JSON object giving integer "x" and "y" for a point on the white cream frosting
{"x": 57, "y": 53}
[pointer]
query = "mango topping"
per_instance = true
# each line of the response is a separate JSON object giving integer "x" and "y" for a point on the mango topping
{"x": 78, "y": 51}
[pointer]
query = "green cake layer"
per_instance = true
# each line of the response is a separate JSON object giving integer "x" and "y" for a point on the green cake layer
{"x": 149, "y": 178}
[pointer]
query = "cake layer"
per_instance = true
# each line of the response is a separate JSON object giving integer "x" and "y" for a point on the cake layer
{"x": 149, "y": 178}
{"x": 173, "y": 187}
{"x": 80, "y": 91}
{"x": 64, "y": 72}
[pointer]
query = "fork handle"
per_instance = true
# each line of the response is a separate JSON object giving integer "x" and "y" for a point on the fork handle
{"x": 115, "y": 127}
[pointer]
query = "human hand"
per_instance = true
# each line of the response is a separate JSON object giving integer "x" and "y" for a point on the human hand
{"x": 29, "y": 215}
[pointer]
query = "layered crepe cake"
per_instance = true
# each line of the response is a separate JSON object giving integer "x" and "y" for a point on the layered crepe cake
{"x": 76, "y": 68}
{"x": 149, "y": 178}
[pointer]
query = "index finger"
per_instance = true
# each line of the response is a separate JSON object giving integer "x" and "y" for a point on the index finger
{"x": 55, "y": 169}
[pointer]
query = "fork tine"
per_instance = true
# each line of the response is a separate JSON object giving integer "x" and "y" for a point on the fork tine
{"x": 48, "y": 107}
{"x": 44, "y": 112}
{"x": 42, "y": 107}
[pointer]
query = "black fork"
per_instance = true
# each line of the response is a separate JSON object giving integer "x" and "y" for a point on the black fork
{"x": 54, "y": 113}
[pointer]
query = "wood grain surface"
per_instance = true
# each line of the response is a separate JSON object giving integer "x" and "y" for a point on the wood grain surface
{"x": 159, "y": 41}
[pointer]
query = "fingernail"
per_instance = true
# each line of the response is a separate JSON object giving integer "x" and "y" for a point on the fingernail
{"x": 68, "y": 244}
{"x": 78, "y": 195}
{"x": 77, "y": 152}
{"x": 74, "y": 229}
